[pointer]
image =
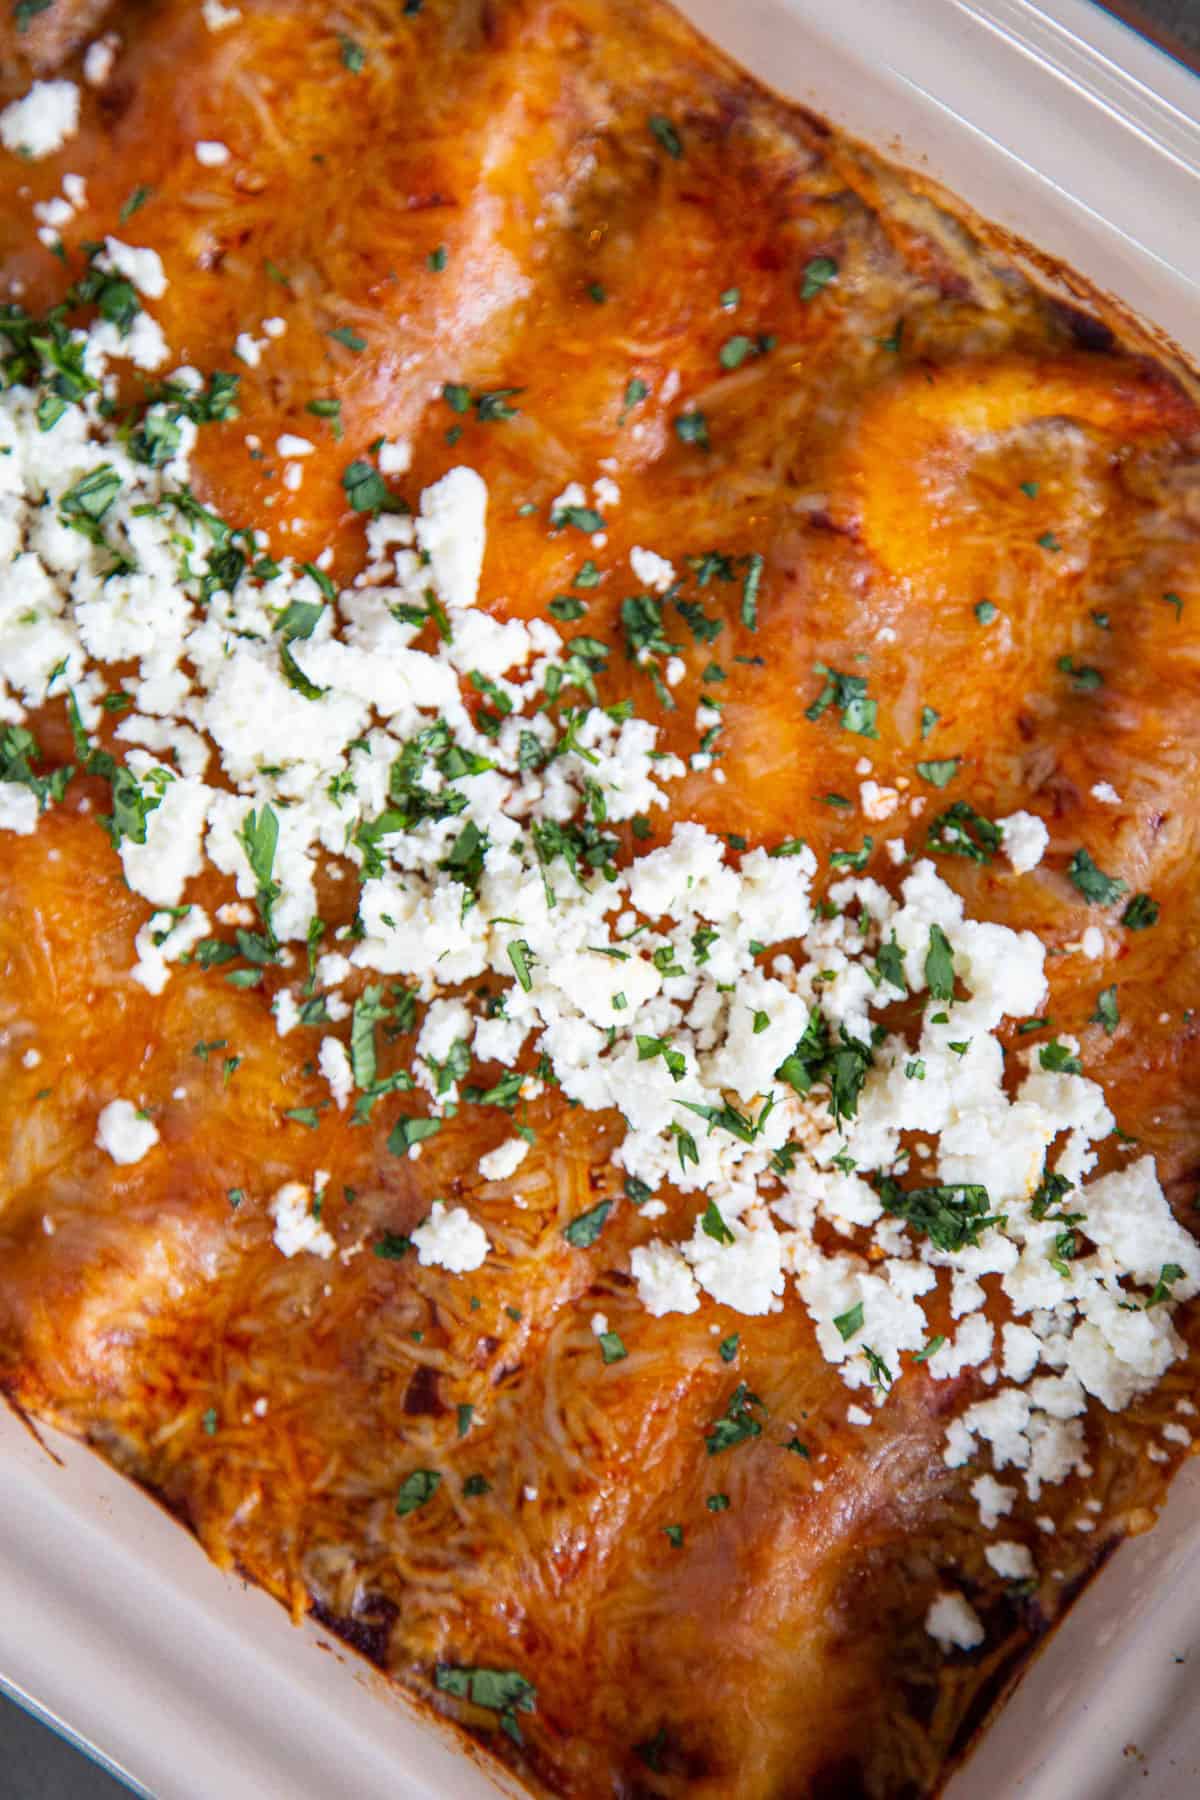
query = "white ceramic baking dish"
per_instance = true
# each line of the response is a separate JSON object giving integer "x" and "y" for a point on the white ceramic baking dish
{"x": 1062, "y": 126}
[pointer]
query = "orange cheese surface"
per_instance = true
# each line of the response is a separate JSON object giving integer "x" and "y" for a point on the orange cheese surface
{"x": 908, "y": 445}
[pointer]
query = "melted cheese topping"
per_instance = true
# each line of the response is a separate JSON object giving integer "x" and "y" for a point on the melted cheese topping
{"x": 640, "y": 744}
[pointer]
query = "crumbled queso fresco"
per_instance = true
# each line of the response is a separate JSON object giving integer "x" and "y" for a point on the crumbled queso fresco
{"x": 275, "y": 721}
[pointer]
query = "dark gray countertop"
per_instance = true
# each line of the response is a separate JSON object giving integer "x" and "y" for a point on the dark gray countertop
{"x": 34, "y": 1763}
{"x": 1176, "y": 23}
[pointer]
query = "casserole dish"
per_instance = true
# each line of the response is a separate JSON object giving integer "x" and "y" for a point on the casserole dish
{"x": 1063, "y": 235}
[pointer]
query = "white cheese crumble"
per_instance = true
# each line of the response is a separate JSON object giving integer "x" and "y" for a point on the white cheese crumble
{"x": 653, "y": 571}
{"x": 333, "y": 1060}
{"x": 665, "y": 1283}
{"x": 41, "y": 122}
{"x": 18, "y": 808}
{"x": 297, "y": 1227}
{"x": 504, "y": 1160}
{"x": 99, "y": 58}
{"x": 162, "y": 940}
{"x": 1011, "y": 1561}
{"x": 954, "y": 1623}
{"x": 994, "y": 1499}
{"x": 123, "y": 1133}
{"x": 450, "y": 1240}
{"x": 451, "y": 530}
{"x": 1025, "y": 840}
{"x": 211, "y": 153}
{"x": 287, "y": 1011}
{"x": 395, "y": 457}
{"x": 140, "y": 266}
{"x": 877, "y": 803}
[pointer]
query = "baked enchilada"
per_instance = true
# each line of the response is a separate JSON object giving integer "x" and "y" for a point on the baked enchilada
{"x": 597, "y": 731}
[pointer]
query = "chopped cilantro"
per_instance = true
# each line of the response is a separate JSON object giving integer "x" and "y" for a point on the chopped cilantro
{"x": 650, "y": 1047}
{"x": 327, "y": 409}
{"x": 737, "y": 1424}
{"x": 25, "y": 11}
{"x": 951, "y": 1214}
{"x": 714, "y": 1225}
{"x": 1171, "y": 1272}
{"x": 1084, "y": 678}
{"x": 521, "y": 956}
{"x": 848, "y": 1323}
{"x": 408, "y": 1131}
{"x": 18, "y": 750}
{"x": 1097, "y": 888}
{"x": 890, "y": 964}
{"x": 502, "y": 1691}
{"x": 1058, "y": 1059}
{"x": 881, "y": 1375}
{"x": 635, "y": 392}
{"x": 666, "y": 134}
{"x": 842, "y": 1066}
{"x": 735, "y": 350}
{"x": 583, "y": 518}
{"x": 135, "y": 200}
{"x": 1141, "y": 913}
{"x": 852, "y": 859}
{"x": 391, "y": 1246}
{"x": 586, "y": 1228}
{"x": 961, "y": 831}
{"x": 417, "y": 1490}
{"x": 1107, "y": 1012}
{"x": 819, "y": 271}
{"x": 367, "y": 491}
{"x": 848, "y": 694}
{"x": 939, "y": 965}
{"x": 691, "y": 427}
{"x": 750, "y": 587}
